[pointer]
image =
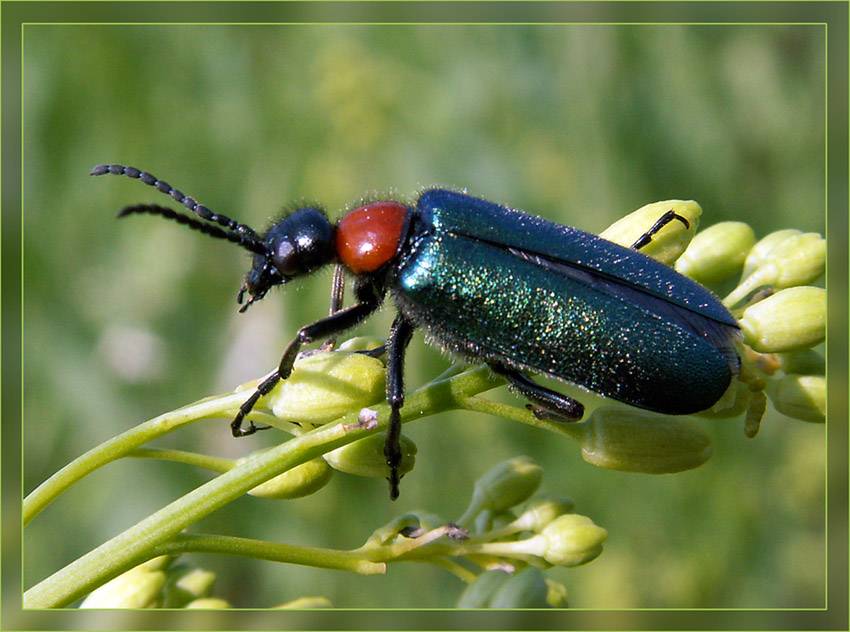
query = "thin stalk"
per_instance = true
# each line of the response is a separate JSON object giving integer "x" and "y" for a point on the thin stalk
{"x": 120, "y": 445}
{"x": 137, "y": 543}
{"x": 272, "y": 551}
{"x": 214, "y": 463}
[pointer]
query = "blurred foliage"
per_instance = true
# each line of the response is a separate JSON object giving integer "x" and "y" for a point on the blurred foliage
{"x": 124, "y": 320}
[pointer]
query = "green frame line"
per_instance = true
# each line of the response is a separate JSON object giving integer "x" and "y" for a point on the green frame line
{"x": 825, "y": 25}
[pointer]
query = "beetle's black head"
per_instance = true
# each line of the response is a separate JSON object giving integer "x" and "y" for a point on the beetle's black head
{"x": 296, "y": 245}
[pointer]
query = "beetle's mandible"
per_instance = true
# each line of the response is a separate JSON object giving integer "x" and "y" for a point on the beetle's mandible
{"x": 494, "y": 285}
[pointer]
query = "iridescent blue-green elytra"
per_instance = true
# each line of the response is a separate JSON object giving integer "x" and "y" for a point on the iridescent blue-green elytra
{"x": 496, "y": 284}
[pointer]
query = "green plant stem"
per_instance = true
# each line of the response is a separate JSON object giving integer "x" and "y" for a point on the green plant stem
{"x": 272, "y": 551}
{"x": 137, "y": 543}
{"x": 120, "y": 445}
{"x": 214, "y": 463}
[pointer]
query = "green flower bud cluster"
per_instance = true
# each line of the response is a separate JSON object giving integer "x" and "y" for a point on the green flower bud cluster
{"x": 140, "y": 587}
{"x": 157, "y": 583}
{"x": 501, "y": 544}
{"x": 164, "y": 583}
{"x": 781, "y": 315}
{"x": 516, "y": 535}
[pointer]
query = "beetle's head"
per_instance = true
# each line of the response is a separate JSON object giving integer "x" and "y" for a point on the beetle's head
{"x": 294, "y": 246}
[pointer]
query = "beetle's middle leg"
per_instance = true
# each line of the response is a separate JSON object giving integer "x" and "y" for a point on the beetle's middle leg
{"x": 337, "y": 298}
{"x": 400, "y": 335}
{"x": 665, "y": 219}
{"x": 546, "y": 403}
{"x": 325, "y": 327}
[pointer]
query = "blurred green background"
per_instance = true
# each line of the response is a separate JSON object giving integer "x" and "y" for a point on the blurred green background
{"x": 580, "y": 124}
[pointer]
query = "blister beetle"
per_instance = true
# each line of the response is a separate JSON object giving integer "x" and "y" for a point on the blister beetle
{"x": 494, "y": 285}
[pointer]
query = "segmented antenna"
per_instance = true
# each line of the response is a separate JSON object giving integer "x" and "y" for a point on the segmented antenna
{"x": 249, "y": 242}
{"x": 162, "y": 186}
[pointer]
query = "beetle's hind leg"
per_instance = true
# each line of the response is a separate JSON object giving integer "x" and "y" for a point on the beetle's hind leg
{"x": 399, "y": 338}
{"x": 662, "y": 221}
{"x": 545, "y": 403}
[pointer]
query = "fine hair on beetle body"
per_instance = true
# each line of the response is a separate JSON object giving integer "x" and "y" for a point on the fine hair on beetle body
{"x": 494, "y": 285}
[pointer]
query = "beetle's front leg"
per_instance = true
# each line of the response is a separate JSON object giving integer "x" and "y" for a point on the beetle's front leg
{"x": 399, "y": 338}
{"x": 326, "y": 327}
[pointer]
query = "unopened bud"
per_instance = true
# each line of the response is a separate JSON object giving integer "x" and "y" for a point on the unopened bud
{"x": 717, "y": 253}
{"x": 137, "y": 588}
{"x": 791, "y": 319}
{"x": 761, "y": 250}
{"x": 387, "y": 533}
{"x": 302, "y": 480}
{"x": 557, "y": 595}
{"x": 668, "y": 243}
{"x": 184, "y": 583}
{"x": 305, "y": 603}
{"x": 638, "y": 441}
{"x": 800, "y": 396}
{"x": 503, "y": 486}
{"x": 365, "y": 457}
{"x": 361, "y": 343}
{"x": 207, "y": 603}
{"x": 325, "y": 386}
{"x": 541, "y": 511}
{"x": 802, "y": 362}
{"x": 572, "y": 540}
{"x": 796, "y": 260}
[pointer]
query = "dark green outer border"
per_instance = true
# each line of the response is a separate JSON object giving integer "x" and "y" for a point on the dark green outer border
{"x": 833, "y": 14}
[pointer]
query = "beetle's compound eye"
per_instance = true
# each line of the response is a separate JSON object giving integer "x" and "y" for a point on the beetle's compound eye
{"x": 300, "y": 242}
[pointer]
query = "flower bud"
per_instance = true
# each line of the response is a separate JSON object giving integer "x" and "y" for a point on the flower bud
{"x": 302, "y": 480}
{"x": 137, "y": 588}
{"x": 557, "y": 595}
{"x": 207, "y": 603}
{"x": 479, "y": 593}
{"x": 800, "y": 396}
{"x": 791, "y": 319}
{"x": 541, "y": 511}
{"x": 796, "y": 260}
{"x": 325, "y": 386}
{"x": 802, "y": 362}
{"x": 365, "y": 457}
{"x": 305, "y": 603}
{"x": 717, "y": 253}
{"x": 571, "y": 540}
{"x": 639, "y": 441}
{"x": 390, "y": 531}
{"x": 668, "y": 243}
{"x": 524, "y": 589}
{"x": 361, "y": 343}
{"x": 184, "y": 583}
{"x": 759, "y": 252}
{"x": 507, "y": 484}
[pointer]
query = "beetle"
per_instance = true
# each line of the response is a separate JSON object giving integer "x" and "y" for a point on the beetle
{"x": 494, "y": 285}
